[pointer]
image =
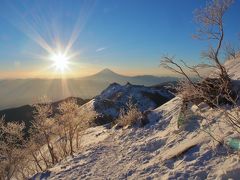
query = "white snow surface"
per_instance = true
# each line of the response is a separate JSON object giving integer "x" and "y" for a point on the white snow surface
{"x": 157, "y": 151}
{"x": 233, "y": 66}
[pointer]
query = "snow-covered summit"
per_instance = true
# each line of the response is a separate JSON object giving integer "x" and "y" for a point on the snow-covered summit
{"x": 116, "y": 96}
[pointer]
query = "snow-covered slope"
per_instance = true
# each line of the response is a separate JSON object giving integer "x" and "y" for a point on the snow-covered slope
{"x": 116, "y": 96}
{"x": 233, "y": 67}
{"x": 158, "y": 151}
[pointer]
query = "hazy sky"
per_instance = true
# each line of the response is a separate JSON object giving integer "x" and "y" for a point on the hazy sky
{"x": 128, "y": 36}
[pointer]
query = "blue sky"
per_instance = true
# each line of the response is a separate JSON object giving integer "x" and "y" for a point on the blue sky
{"x": 128, "y": 36}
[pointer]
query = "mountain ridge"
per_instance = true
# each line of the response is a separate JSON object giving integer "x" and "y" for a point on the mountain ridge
{"x": 115, "y": 97}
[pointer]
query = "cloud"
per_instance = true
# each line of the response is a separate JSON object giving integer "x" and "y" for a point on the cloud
{"x": 101, "y": 49}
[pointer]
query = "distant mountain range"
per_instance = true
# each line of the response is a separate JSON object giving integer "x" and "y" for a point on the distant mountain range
{"x": 109, "y": 76}
{"x": 19, "y": 92}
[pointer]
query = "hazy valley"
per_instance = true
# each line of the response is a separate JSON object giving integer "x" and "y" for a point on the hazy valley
{"x": 20, "y": 92}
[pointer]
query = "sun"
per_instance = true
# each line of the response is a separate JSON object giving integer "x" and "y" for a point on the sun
{"x": 60, "y": 62}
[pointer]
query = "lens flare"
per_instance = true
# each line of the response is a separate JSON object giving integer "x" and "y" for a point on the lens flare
{"x": 60, "y": 62}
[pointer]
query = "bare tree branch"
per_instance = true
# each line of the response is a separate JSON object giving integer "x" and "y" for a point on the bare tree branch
{"x": 210, "y": 20}
{"x": 169, "y": 63}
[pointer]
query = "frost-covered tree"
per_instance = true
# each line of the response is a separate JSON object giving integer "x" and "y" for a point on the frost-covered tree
{"x": 12, "y": 146}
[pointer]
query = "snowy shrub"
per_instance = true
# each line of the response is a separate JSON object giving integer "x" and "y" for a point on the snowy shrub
{"x": 130, "y": 117}
{"x": 43, "y": 129}
{"x": 71, "y": 122}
